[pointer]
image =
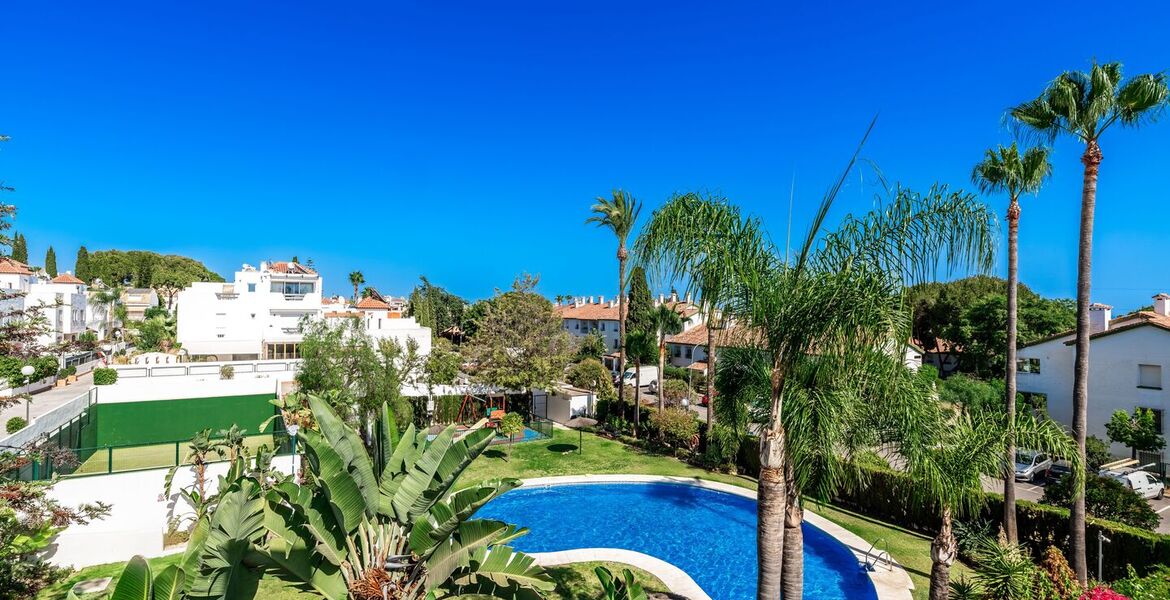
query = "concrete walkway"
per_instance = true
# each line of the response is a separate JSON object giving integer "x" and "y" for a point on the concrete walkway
{"x": 47, "y": 400}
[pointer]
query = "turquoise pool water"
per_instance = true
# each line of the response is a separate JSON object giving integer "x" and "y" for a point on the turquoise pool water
{"x": 709, "y": 534}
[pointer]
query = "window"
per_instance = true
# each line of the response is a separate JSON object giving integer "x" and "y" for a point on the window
{"x": 603, "y": 325}
{"x": 1150, "y": 376}
{"x": 292, "y": 288}
{"x": 251, "y": 287}
{"x": 615, "y": 344}
{"x": 282, "y": 351}
{"x": 1028, "y": 365}
{"x": 690, "y": 352}
{"x": 676, "y": 351}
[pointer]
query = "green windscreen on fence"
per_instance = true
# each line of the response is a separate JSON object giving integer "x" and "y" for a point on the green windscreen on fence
{"x": 150, "y": 422}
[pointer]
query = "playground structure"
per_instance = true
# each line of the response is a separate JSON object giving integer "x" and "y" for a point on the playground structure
{"x": 485, "y": 412}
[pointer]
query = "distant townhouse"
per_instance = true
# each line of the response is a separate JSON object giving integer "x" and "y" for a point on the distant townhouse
{"x": 385, "y": 319}
{"x": 594, "y": 314}
{"x": 1127, "y": 364}
{"x": 62, "y": 300}
{"x": 260, "y": 314}
{"x": 137, "y": 301}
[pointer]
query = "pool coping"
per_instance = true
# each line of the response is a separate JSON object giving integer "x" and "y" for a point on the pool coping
{"x": 893, "y": 583}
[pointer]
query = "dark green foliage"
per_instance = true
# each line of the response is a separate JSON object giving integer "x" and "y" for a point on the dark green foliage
{"x": 51, "y": 262}
{"x": 435, "y": 307}
{"x": 591, "y": 375}
{"x": 1096, "y": 453}
{"x": 1137, "y": 431}
{"x": 743, "y": 380}
{"x": 972, "y": 314}
{"x": 722, "y": 446}
{"x": 473, "y": 315}
{"x": 675, "y": 427}
{"x": 81, "y": 265}
{"x": 103, "y": 376}
{"x": 971, "y": 394}
{"x": 146, "y": 269}
{"x": 591, "y": 346}
{"x": 15, "y": 424}
{"x": 1154, "y": 586}
{"x": 1105, "y": 498}
{"x": 640, "y": 305}
{"x": 20, "y": 249}
{"x": 46, "y": 366}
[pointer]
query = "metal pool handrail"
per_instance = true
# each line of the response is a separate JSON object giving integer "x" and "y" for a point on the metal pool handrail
{"x": 870, "y": 566}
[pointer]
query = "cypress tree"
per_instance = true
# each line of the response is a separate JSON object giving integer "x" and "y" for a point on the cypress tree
{"x": 51, "y": 262}
{"x": 20, "y": 249}
{"x": 641, "y": 304}
{"x": 81, "y": 265}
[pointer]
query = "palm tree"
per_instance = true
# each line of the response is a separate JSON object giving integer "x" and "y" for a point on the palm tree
{"x": 690, "y": 238}
{"x": 356, "y": 279}
{"x": 947, "y": 459}
{"x": 640, "y": 347}
{"x": 618, "y": 214}
{"x": 1004, "y": 170}
{"x": 1085, "y": 105}
{"x": 666, "y": 321}
{"x": 108, "y": 299}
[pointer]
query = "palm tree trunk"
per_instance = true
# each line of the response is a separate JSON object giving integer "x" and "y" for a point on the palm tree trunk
{"x": 637, "y": 391}
{"x": 1092, "y": 161}
{"x": 710, "y": 370}
{"x": 771, "y": 498}
{"x": 943, "y": 550}
{"x": 792, "y": 575}
{"x": 1009, "y": 479}
{"x": 621, "y": 323}
{"x": 661, "y": 370}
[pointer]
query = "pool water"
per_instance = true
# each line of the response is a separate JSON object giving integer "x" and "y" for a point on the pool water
{"x": 709, "y": 534}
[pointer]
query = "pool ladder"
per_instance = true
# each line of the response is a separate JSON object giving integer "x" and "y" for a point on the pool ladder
{"x": 872, "y": 558}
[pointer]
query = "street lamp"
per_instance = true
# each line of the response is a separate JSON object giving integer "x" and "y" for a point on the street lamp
{"x": 27, "y": 371}
{"x": 1101, "y": 539}
{"x": 292, "y": 432}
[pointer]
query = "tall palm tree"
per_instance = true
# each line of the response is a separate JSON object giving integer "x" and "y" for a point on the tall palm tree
{"x": 691, "y": 238}
{"x": 666, "y": 321}
{"x": 1083, "y": 106}
{"x": 356, "y": 279}
{"x": 639, "y": 348}
{"x": 108, "y": 298}
{"x": 618, "y": 214}
{"x": 1005, "y": 170}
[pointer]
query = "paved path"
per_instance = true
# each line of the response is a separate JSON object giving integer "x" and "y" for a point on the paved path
{"x": 49, "y": 399}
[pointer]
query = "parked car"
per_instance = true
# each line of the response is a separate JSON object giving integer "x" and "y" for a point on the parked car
{"x": 1032, "y": 466}
{"x": 1147, "y": 485}
{"x": 649, "y": 377}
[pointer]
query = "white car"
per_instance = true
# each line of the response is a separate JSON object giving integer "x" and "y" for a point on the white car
{"x": 1145, "y": 484}
{"x": 1032, "y": 466}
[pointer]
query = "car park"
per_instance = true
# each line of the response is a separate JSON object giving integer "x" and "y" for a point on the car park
{"x": 1032, "y": 466}
{"x": 1147, "y": 485}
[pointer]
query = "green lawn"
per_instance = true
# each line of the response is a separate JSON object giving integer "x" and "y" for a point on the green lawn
{"x": 559, "y": 456}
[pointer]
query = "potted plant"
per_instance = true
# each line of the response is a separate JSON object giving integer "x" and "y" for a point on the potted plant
{"x": 227, "y": 372}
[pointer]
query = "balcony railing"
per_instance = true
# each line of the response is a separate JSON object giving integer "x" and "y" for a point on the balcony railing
{"x": 294, "y": 297}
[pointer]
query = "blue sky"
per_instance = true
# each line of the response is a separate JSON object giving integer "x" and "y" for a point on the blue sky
{"x": 466, "y": 141}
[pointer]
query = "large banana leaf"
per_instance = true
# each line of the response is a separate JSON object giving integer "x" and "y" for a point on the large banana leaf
{"x": 341, "y": 489}
{"x": 506, "y": 568}
{"x": 446, "y": 515}
{"x": 304, "y": 544}
{"x": 349, "y": 447}
{"x": 388, "y": 437}
{"x": 235, "y": 526}
{"x": 134, "y": 583}
{"x": 455, "y": 552}
{"x": 436, "y": 471}
{"x": 168, "y": 585}
{"x": 410, "y": 447}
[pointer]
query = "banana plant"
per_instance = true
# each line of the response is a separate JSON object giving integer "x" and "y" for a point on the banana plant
{"x": 138, "y": 583}
{"x": 625, "y": 588}
{"x": 361, "y": 527}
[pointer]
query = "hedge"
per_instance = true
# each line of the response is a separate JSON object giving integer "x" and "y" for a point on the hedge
{"x": 104, "y": 376}
{"x": 886, "y": 497}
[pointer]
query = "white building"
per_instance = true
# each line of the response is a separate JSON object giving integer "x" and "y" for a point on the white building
{"x": 259, "y": 315}
{"x": 62, "y": 300}
{"x": 594, "y": 314}
{"x": 1127, "y": 361}
{"x": 385, "y": 320}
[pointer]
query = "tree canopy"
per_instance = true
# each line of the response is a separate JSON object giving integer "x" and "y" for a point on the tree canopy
{"x": 435, "y": 307}
{"x": 51, "y": 262}
{"x": 641, "y": 305}
{"x": 146, "y": 269}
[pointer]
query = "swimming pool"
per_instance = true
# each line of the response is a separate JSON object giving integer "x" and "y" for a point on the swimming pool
{"x": 707, "y": 533}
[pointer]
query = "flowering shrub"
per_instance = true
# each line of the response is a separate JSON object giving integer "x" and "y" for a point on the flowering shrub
{"x": 1102, "y": 592}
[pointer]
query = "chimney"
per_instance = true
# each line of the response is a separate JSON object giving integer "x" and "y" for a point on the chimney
{"x": 1162, "y": 304}
{"x": 661, "y": 298}
{"x": 1099, "y": 317}
{"x": 688, "y": 297}
{"x": 673, "y": 296}
{"x": 591, "y": 299}
{"x": 601, "y": 299}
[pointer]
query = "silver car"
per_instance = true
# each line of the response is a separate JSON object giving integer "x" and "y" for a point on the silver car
{"x": 1032, "y": 466}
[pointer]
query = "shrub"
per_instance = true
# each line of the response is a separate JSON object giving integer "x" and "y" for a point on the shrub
{"x": 227, "y": 372}
{"x": 1155, "y": 586}
{"x": 675, "y": 427}
{"x": 62, "y": 373}
{"x": 1063, "y": 580}
{"x": 722, "y": 446}
{"x": 591, "y": 375}
{"x": 1096, "y": 453}
{"x": 15, "y": 424}
{"x": 674, "y": 390}
{"x": 1105, "y": 498}
{"x": 1102, "y": 592}
{"x": 104, "y": 376}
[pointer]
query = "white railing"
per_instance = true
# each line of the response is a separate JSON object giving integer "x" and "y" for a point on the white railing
{"x": 206, "y": 368}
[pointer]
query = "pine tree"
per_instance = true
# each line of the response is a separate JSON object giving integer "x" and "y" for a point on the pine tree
{"x": 51, "y": 262}
{"x": 20, "y": 249}
{"x": 81, "y": 265}
{"x": 641, "y": 304}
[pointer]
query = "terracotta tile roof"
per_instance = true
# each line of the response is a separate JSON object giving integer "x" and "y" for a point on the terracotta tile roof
{"x": 941, "y": 346}
{"x": 595, "y": 311}
{"x": 10, "y": 266}
{"x": 371, "y": 303}
{"x": 67, "y": 278}
{"x": 698, "y": 365}
{"x": 697, "y": 336}
{"x": 686, "y": 309}
{"x": 334, "y": 314}
{"x": 290, "y": 268}
{"x": 1130, "y": 321}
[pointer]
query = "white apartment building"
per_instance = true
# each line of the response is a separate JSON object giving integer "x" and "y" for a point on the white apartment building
{"x": 62, "y": 298}
{"x": 1128, "y": 359}
{"x": 259, "y": 314}
{"x": 384, "y": 319}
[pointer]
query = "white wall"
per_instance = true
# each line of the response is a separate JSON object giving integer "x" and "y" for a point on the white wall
{"x": 138, "y": 517}
{"x": 199, "y": 386}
